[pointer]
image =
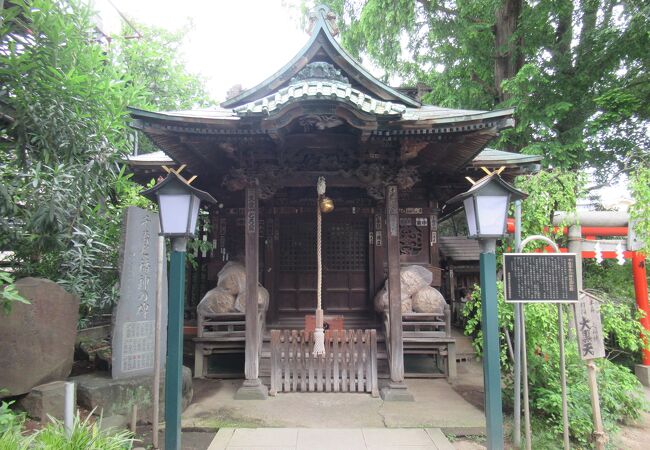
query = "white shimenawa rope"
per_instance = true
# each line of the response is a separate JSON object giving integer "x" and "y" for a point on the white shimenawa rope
{"x": 319, "y": 333}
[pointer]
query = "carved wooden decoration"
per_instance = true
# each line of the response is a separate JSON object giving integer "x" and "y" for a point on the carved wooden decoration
{"x": 410, "y": 240}
{"x": 410, "y": 149}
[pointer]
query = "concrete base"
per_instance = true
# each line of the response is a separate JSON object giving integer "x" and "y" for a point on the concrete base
{"x": 396, "y": 392}
{"x": 436, "y": 405}
{"x": 252, "y": 390}
{"x": 643, "y": 374}
{"x": 45, "y": 400}
{"x": 109, "y": 397}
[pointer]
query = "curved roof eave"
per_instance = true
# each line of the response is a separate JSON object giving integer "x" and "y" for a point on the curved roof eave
{"x": 419, "y": 117}
{"x": 300, "y": 60}
{"x": 204, "y": 116}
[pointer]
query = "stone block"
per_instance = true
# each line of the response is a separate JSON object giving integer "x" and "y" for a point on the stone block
{"x": 45, "y": 400}
{"x": 643, "y": 374}
{"x": 396, "y": 392}
{"x": 115, "y": 422}
{"x": 110, "y": 397}
{"x": 37, "y": 339}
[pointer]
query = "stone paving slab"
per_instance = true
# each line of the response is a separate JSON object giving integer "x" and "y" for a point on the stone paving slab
{"x": 330, "y": 439}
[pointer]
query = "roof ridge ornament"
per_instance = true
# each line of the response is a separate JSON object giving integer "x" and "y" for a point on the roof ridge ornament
{"x": 322, "y": 13}
{"x": 319, "y": 70}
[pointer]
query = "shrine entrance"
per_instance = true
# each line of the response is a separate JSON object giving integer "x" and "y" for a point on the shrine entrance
{"x": 346, "y": 265}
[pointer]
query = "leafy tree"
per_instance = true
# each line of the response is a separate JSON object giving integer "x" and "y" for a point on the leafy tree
{"x": 63, "y": 133}
{"x": 153, "y": 66}
{"x": 577, "y": 71}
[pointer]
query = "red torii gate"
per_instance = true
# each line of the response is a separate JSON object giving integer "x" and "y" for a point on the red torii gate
{"x": 585, "y": 225}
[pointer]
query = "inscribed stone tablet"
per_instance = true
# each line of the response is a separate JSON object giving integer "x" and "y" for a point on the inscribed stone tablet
{"x": 134, "y": 316}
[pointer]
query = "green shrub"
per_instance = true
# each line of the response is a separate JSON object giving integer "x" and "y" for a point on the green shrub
{"x": 85, "y": 435}
{"x": 10, "y": 426}
{"x": 620, "y": 391}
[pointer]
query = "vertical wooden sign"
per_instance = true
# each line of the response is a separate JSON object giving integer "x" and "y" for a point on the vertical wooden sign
{"x": 589, "y": 327}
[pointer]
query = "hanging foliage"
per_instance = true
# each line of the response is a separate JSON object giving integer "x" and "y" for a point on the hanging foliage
{"x": 64, "y": 93}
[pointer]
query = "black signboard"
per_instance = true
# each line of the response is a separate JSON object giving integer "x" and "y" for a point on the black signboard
{"x": 540, "y": 277}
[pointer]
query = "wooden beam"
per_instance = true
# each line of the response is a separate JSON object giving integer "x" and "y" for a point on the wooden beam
{"x": 394, "y": 291}
{"x": 251, "y": 231}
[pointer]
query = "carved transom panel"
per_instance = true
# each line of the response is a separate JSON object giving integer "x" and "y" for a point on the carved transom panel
{"x": 319, "y": 122}
{"x": 410, "y": 240}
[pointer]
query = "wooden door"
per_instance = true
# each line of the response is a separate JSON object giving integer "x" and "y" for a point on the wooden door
{"x": 346, "y": 264}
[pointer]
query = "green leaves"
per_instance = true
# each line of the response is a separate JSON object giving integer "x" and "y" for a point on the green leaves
{"x": 8, "y": 296}
{"x": 65, "y": 93}
{"x": 574, "y": 71}
{"x": 548, "y": 191}
{"x": 640, "y": 211}
{"x": 619, "y": 389}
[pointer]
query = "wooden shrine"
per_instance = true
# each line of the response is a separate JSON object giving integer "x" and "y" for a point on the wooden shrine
{"x": 390, "y": 164}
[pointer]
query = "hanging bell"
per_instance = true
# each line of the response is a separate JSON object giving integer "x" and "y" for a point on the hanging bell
{"x": 326, "y": 204}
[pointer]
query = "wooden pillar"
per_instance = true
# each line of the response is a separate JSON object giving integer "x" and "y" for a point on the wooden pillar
{"x": 252, "y": 388}
{"x": 397, "y": 389}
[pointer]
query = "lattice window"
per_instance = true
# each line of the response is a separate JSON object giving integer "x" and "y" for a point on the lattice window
{"x": 345, "y": 245}
{"x": 297, "y": 246}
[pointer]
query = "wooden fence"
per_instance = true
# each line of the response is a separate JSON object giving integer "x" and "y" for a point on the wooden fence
{"x": 349, "y": 363}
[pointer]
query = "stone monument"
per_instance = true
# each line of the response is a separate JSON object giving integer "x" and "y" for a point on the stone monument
{"x": 134, "y": 316}
{"x": 37, "y": 339}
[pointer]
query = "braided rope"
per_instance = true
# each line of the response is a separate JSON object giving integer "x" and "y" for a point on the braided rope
{"x": 319, "y": 333}
{"x": 319, "y": 255}
{"x": 320, "y": 188}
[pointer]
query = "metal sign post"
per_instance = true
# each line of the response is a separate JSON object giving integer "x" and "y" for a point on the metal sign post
{"x": 542, "y": 278}
{"x": 517, "y": 344}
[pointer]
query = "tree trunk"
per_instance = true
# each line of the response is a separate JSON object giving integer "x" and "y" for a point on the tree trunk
{"x": 508, "y": 56}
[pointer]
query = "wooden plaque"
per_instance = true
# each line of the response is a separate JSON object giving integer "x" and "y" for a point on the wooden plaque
{"x": 591, "y": 340}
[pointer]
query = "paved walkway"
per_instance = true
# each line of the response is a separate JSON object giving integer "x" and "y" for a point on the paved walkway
{"x": 330, "y": 439}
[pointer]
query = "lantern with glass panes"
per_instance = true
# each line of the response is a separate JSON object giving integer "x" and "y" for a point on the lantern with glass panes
{"x": 178, "y": 208}
{"x": 486, "y": 206}
{"x": 178, "y": 204}
{"x": 486, "y": 209}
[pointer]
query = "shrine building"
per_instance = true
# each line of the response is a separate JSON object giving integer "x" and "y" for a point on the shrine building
{"x": 389, "y": 164}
